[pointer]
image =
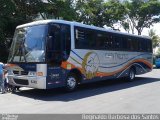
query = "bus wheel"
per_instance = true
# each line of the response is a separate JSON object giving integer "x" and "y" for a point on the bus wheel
{"x": 131, "y": 75}
{"x": 71, "y": 82}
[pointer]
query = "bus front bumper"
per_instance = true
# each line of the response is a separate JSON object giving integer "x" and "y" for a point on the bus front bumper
{"x": 28, "y": 81}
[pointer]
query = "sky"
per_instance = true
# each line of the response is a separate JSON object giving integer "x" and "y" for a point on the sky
{"x": 156, "y": 27}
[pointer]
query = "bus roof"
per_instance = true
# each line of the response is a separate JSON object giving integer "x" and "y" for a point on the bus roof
{"x": 78, "y": 24}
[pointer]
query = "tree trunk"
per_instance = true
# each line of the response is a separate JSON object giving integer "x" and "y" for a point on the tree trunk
{"x": 139, "y": 31}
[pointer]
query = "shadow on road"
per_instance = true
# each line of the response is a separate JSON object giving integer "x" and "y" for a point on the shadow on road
{"x": 156, "y": 68}
{"x": 84, "y": 91}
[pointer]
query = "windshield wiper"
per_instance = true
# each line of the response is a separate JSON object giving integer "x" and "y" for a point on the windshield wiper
{"x": 20, "y": 51}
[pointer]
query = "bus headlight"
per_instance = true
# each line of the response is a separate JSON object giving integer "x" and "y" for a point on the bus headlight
{"x": 35, "y": 73}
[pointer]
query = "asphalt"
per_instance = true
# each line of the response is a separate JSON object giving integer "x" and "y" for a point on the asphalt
{"x": 111, "y": 96}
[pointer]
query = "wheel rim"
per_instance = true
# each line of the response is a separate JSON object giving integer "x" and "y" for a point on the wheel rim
{"x": 132, "y": 75}
{"x": 71, "y": 82}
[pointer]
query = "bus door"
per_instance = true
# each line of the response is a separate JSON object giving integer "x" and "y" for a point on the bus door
{"x": 58, "y": 49}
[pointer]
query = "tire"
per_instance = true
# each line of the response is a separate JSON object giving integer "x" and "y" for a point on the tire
{"x": 131, "y": 75}
{"x": 71, "y": 82}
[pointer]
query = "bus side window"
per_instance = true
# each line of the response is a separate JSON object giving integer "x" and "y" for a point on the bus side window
{"x": 100, "y": 41}
{"x": 80, "y": 38}
{"x": 54, "y": 44}
{"x": 55, "y": 32}
{"x": 117, "y": 42}
{"x": 129, "y": 43}
{"x": 90, "y": 38}
{"x": 144, "y": 45}
{"x": 149, "y": 45}
{"x": 66, "y": 39}
{"x": 124, "y": 43}
{"x": 135, "y": 45}
{"x": 109, "y": 42}
{"x": 140, "y": 45}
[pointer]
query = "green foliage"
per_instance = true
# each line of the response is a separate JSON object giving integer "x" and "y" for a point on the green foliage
{"x": 16, "y": 12}
{"x": 155, "y": 38}
{"x": 7, "y": 9}
{"x": 13, "y": 13}
{"x": 100, "y": 13}
{"x": 132, "y": 14}
{"x": 126, "y": 26}
{"x": 142, "y": 14}
{"x": 114, "y": 11}
{"x": 90, "y": 12}
{"x": 158, "y": 53}
{"x": 57, "y": 9}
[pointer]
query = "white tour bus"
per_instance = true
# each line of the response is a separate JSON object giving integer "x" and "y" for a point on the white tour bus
{"x": 56, "y": 53}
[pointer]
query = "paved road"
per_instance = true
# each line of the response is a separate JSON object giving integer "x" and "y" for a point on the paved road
{"x": 140, "y": 96}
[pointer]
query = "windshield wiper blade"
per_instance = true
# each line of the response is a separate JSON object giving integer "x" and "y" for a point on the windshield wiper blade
{"x": 22, "y": 50}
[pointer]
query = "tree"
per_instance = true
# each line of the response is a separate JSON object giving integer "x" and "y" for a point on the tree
{"x": 90, "y": 12}
{"x": 158, "y": 52}
{"x": 13, "y": 13}
{"x": 7, "y": 9}
{"x": 155, "y": 39}
{"x": 141, "y": 14}
{"x": 16, "y": 12}
{"x": 27, "y": 10}
{"x": 100, "y": 13}
{"x": 114, "y": 11}
{"x": 125, "y": 25}
{"x": 58, "y": 9}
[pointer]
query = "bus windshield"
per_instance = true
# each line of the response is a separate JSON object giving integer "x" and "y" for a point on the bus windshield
{"x": 28, "y": 44}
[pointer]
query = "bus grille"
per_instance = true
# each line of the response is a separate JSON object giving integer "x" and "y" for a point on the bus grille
{"x": 16, "y": 72}
{"x": 21, "y": 81}
{"x": 20, "y": 72}
{"x": 24, "y": 73}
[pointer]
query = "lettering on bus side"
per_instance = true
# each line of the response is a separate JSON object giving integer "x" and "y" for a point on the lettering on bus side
{"x": 54, "y": 76}
{"x": 116, "y": 55}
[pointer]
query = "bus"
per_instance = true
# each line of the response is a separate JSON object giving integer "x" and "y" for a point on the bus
{"x": 49, "y": 54}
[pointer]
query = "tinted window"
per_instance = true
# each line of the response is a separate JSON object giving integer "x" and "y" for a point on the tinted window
{"x": 117, "y": 42}
{"x": 55, "y": 32}
{"x": 135, "y": 44}
{"x": 149, "y": 44}
{"x": 124, "y": 43}
{"x": 109, "y": 41}
{"x": 60, "y": 40}
{"x": 81, "y": 42}
{"x": 100, "y": 40}
{"x": 66, "y": 38}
